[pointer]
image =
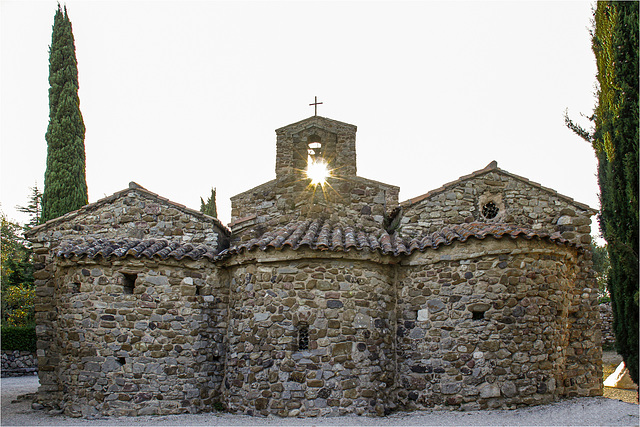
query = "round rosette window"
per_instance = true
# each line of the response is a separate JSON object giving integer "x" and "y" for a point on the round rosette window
{"x": 490, "y": 210}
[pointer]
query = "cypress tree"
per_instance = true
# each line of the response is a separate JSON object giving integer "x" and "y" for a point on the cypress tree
{"x": 615, "y": 44}
{"x": 615, "y": 141}
{"x": 210, "y": 208}
{"x": 65, "y": 184}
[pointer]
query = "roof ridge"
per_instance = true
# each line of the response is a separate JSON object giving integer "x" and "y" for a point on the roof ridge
{"x": 133, "y": 186}
{"x": 493, "y": 166}
{"x": 313, "y": 119}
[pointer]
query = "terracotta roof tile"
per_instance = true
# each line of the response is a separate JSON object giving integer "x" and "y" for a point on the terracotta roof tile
{"x": 316, "y": 234}
{"x": 350, "y": 238}
{"x": 327, "y": 236}
{"x": 120, "y": 248}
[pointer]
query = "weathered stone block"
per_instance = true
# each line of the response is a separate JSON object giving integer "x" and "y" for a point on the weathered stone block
{"x": 435, "y": 305}
{"x": 341, "y": 349}
{"x": 334, "y": 304}
{"x": 489, "y": 390}
{"x": 259, "y": 317}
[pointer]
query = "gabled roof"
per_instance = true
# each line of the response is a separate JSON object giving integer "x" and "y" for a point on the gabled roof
{"x": 122, "y": 193}
{"x": 493, "y": 167}
{"x": 324, "y": 235}
{"x": 314, "y": 121}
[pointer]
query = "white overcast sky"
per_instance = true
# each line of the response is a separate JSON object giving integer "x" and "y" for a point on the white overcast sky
{"x": 184, "y": 96}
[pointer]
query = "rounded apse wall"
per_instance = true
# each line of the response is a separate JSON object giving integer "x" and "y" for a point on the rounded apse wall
{"x": 484, "y": 324}
{"x": 309, "y": 336}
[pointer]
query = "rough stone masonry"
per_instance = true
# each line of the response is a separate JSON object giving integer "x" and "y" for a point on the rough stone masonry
{"x": 319, "y": 300}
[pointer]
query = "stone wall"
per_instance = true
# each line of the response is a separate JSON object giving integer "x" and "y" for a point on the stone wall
{"x": 516, "y": 199}
{"x": 608, "y": 336}
{"x": 584, "y": 352}
{"x": 136, "y": 337}
{"x": 16, "y": 363}
{"x": 494, "y": 195}
{"x": 488, "y": 324}
{"x": 492, "y": 323}
{"x": 131, "y": 213}
{"x": 346, "y": 306}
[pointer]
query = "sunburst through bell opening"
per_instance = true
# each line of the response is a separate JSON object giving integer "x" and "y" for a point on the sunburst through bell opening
{"x": 318, "y": 171}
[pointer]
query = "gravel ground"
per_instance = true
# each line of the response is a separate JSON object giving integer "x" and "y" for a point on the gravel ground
{"x": 591, "y": 411}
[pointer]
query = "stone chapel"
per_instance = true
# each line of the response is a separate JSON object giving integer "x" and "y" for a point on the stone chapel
{"x": 320, "y": 297}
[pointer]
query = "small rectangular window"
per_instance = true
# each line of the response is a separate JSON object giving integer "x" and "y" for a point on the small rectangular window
{"x": 129, "y": 282}
{"x": 478, "y": 310}
{"x": 477, "y": 315}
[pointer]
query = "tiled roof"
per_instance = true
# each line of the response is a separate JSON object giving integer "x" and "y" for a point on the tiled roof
{"x": 120, "y": 248}
{"x": 327, "y": 236}
{"x": 315, "y": 234}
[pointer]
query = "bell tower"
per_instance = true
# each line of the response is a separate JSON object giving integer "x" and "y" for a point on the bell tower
{"x": 315, "y": 177}
{"x": 314, "y": 140}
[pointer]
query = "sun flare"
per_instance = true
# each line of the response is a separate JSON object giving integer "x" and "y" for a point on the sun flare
{"x": 318, "y": 172}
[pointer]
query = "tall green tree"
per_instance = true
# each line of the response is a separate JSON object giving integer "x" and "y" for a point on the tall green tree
{"x": 17, "y": 291}
{"x": 65, "y": 184}
{"x": 15, "y": 257}
{"x": 210, "y": 207}
{"x": 615, "y": 140}
{"x": 34, "y": 208}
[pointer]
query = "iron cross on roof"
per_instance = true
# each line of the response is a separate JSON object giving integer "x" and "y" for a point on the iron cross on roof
{"x": 315, "y": 105}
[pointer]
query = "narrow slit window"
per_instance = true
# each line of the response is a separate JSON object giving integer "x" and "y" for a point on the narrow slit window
{"x": 315, "y": 150}
{"x": 129, "y": 282}
{"x": 303, "y": 337}
{"x": 317, "y": 167}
